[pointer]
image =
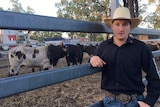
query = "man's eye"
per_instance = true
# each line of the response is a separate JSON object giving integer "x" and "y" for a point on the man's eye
{"x": 125, "y": 24}
{"x": 117, "y": 24}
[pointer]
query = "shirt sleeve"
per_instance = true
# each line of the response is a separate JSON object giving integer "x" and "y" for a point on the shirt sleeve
{"x": 152, "y": 76}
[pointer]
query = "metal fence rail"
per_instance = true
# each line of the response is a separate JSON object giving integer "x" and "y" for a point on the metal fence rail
{"x": 21, "y": 83}
{"x": 20, "y": 21}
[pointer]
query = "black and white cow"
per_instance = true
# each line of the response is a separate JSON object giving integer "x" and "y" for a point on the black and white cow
{"x": 44, "y": 57}
{"x": 74, "y": 54}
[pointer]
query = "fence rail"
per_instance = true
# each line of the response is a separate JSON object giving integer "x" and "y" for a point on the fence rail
{"x": 21, "y": 83}
{"x": 19, "y": 21}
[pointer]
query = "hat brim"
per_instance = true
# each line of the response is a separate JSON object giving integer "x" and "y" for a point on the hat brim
{"x": 134, "y": 21}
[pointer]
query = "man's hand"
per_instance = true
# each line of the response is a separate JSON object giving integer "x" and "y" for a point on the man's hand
{"x": 96, "y": 61}
{"x": 142, "y": 104}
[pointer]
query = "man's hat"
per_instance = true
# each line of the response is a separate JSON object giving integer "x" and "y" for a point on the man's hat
{"x": 123, "y": 13}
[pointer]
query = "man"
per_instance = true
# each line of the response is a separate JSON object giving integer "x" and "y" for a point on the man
{"x": 122, "y": 59}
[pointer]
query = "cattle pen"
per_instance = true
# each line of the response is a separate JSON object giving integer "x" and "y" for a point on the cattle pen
{"x": 31, "y": 81}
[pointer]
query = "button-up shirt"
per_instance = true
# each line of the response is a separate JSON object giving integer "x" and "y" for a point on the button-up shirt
{"x": 123, "y": 70}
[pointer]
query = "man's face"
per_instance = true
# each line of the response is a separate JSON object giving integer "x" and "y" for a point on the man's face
{"x": 121, "y": 29}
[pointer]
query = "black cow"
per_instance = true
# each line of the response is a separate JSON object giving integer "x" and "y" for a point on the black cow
{"x": 90, "y": 49}
{"x": 75, "y": 54}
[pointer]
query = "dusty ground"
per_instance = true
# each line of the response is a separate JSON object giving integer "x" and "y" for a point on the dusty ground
{"x": 79, "y": 92}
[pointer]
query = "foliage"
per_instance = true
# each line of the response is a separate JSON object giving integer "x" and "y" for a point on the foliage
{"x": 40, "y": 35}
{"x": 100, "y": 37}
{"x": 154, "y": 17}
{"x": 88, "y": 10}
{"x": 17, "y": 7}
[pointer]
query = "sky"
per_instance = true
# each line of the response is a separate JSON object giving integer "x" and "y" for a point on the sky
{"x": 41, "y": 7}
{"x": 47, "y": 7}
{"x": 44, "y": 7}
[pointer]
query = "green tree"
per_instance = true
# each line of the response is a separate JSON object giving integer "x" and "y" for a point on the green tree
{"x": 153, "y": 18}
{"x": 17, "y": 7}
{"x": 1, "y": 8}
{"x": 133, "y": 7}
{"x": 88, "y": 10}
{"x": 30, "y": 10}
{"x": 40, "y": 35}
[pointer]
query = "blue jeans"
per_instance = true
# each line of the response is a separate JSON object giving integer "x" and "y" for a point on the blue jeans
{"x": 111, "y": 102}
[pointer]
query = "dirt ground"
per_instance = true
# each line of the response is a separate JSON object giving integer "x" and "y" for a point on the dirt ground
{"x": 79, "y": 92}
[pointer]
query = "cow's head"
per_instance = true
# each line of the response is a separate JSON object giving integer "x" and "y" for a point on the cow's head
{"x": 15, "y": 59}
{"x": 54, "y": 53}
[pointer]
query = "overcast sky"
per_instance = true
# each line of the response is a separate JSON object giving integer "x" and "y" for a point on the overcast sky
{"x": 41, "y": 7}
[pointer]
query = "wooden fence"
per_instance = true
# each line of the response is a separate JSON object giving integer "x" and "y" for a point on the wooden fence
{"x": 19, "y": 21}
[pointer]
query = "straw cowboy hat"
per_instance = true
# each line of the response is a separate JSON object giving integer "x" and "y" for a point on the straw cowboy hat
{"x": 123, "y": 13}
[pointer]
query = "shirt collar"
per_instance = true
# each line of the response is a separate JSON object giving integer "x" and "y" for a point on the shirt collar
{"x": 129, "y": 40}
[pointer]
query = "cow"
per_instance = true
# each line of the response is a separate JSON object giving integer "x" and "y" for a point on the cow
{"x": 90, "y": 49}
{"x": 74, "y": 54}
{"x": 153, "y": 46}
{"x": 44, "y": 57}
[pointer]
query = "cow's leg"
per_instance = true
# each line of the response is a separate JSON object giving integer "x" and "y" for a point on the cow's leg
{"x": 74, "y": 63}
{"x": 33, "y": 70}
{"x": 40, "y": 68}
{"x": 68, "y": 63}
{"x": 45, "y": 68}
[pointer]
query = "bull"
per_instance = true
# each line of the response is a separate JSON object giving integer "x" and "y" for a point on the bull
{"x": 44, "y": 57}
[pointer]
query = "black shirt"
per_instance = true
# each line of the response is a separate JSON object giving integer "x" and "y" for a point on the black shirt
{"x": 123, "y": 70}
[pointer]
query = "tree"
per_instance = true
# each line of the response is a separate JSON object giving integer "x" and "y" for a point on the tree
{"x": 133, "y": 7}
{"x": 17, "y": 7}
{"x": 40, "y": 35}
{"x": 1, "y": 8}
{"x": 30, "y": 10}
{"x": 88, "y": 10}
{"x": 155, "y": 17}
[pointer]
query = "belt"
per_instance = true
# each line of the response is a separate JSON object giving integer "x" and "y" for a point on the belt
{"x": 123, "y": 98}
